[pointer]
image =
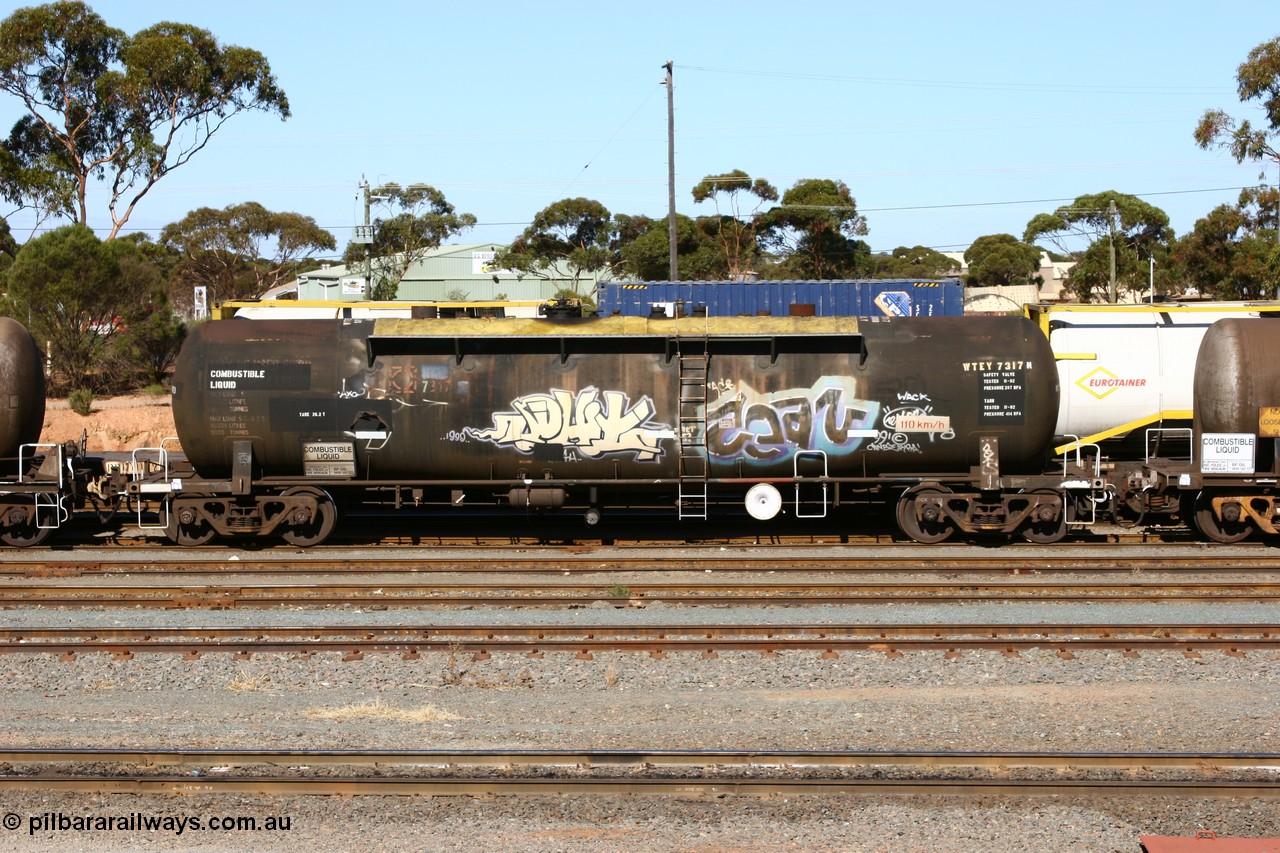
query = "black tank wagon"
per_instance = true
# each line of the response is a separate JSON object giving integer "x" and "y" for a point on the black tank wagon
{"x": 284, "y": 420}
{"x": 30, "y": 506}
{"x": 1228, "y": 488}
{"x": 21, "y": 388}
{"x": 41, "y": 484}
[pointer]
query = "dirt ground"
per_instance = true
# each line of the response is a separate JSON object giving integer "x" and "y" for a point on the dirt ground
{"x": 115, "y": 423}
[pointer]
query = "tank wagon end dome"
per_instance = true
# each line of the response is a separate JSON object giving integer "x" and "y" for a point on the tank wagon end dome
{"x": 22, "y": 387}
{"x": 1237, "y": 373}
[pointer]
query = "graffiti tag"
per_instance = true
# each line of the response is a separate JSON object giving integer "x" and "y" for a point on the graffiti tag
{"x": 745, "y": 424}
{"x": 888, "y": 441}
{"x": 591, "y": 422}
{"x": 905, "y": 422}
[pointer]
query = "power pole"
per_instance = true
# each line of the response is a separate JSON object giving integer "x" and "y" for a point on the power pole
{"x": 1111, "y": 221}
{"x": 364, "y": 235}
{"x": 673, "y": 267}
{"x": 364, "y": 182}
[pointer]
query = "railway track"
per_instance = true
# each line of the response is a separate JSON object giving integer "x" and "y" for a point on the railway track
{"x": 432, "y": 531}
{"x": 569, "y": 577}
{"x": 709, "y": 640}
{"x": 1016, "y": 560}
{"x": 668, "y": 772}
{"x": 377, "y": 593}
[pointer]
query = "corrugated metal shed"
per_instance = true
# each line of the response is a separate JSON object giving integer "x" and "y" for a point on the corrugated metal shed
{"x": 453, "y": 272}
{"x": 838, "y": 298}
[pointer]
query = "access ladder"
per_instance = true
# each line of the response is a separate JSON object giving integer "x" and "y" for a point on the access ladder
{"x": 692, "y": 431}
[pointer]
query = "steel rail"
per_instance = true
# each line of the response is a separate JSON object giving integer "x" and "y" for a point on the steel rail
{"x": 634, "y": 786}
{"x": 578, "y": 562}
{"x": 706, "y": 630}
{"x": 551, "y": 592}
{"x": 602, "y": 758}
{"x": 584, "y": 640}
{"x": 709, "y": 535}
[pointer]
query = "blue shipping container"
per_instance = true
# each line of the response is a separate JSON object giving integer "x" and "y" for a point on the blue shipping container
{"x": 861, "y": 298}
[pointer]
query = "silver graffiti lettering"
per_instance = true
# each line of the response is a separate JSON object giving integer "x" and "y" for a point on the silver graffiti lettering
{"x": 743, "y": 424}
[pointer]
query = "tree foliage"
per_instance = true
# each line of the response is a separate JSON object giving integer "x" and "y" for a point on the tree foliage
{"x": 816, "y": 229}
{"x": 573, "y": 238}
{"x": 914, "y": 262}
{"x": 1257, "y": 79}
{"x": 1002, "y": 259}
{"x": 1141, "y": 232}
{"x": 8, "y": 245}
{"x": 1224, "y": 257}
{"x": 736, "y": 229}
{"x": 647, "y": 257}
{"x": 81, "y": 295}
{"x": 127, "y": 110}
{"x": 413, "y": 221}
{"x": 242, "y": 250}
{"x": 150, "y": 345}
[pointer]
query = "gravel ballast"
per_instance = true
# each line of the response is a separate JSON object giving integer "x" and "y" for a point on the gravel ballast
{"x": 866, "y": 700}
{"x": 1099, "y": 701}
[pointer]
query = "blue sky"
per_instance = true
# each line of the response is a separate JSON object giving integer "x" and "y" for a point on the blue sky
{"x": 948, "y": 121}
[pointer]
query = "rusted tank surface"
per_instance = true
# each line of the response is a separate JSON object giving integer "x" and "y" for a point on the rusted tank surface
{"x": 21, "y": 387}
{"x": 1237, "y": 375}
{"x": 614, "y": 398}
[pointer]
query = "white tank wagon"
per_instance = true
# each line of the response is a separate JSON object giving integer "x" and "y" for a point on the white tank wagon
{"x": 1124, "y": 369}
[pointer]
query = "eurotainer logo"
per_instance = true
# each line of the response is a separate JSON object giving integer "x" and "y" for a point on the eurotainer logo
{"x": 1100, "y": 382}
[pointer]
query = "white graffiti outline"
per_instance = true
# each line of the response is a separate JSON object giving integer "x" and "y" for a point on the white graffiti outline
{"x": 591, "y": 422}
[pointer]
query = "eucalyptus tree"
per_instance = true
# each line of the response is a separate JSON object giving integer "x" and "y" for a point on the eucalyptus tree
{"x": 1002, "y": 259}
{"x": 647, "y": 257}
{"x": 241, "y": 250}
{"x": 126, "y": 110}
{"x": 80, "y": 295}
{"x": 816, "y": 229}
{"x": 413, "y": 221}
{"x": 574, "y": 238}
{"x": 1242, "y": 244}
{"x": 1224, "y": 256}
{"x": 738, "y": 229}
{"x": 1257, "y": 79}
{"x": 1121, "y": 232}
{"x": 914, "y": 262}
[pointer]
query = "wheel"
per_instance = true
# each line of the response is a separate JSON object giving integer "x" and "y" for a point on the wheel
{"x": 190, "y": 532}
{"x": 920, "y": 515}
{"x": 1217, "y": 529}
{"x": 1047, "y": 532}
{"x": 305, "y": 533}
{"x": 25, "y": 532}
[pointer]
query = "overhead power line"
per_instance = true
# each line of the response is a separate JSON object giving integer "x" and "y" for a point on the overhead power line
{"x": 861, "y": 209}
{"x": 1000, "y": 85}
{"x": 1039, "y": 200}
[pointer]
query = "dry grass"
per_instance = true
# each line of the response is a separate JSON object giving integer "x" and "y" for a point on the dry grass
{"x": 379, "y": 710}
{"x": 245, "y": 681}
